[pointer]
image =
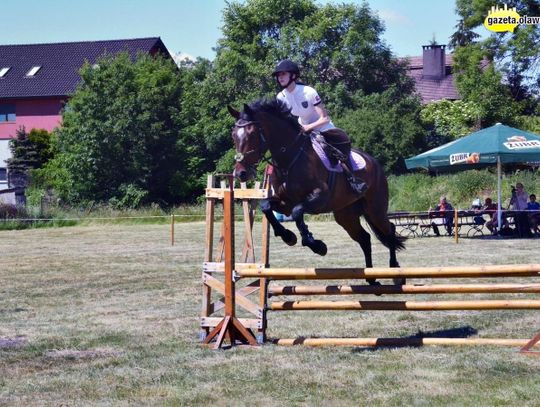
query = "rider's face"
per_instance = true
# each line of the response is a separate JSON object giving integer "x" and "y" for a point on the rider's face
{"x": 283, "y": 78}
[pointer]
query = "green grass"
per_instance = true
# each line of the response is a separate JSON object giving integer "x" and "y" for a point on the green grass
{"x": 108, "y": 315}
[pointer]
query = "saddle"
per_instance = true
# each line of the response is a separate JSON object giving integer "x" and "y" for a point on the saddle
{"x": 331, "y": 156}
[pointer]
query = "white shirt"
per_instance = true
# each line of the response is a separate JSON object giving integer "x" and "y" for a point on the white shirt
{"x": 302, "y": 101}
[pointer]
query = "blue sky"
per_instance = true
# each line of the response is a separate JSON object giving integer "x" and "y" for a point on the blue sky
{"x": 193, "y": 26}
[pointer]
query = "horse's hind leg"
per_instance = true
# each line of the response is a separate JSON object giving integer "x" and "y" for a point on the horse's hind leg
{"x": 349, "y": 219}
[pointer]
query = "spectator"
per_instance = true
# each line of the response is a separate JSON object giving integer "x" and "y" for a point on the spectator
{"x": 445, "y": 214}
{"x": 519, "y": 204}
{"x": 534, "y": 214}
{"x": 490, "y": 208}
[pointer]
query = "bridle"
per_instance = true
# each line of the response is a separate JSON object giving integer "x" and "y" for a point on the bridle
{"x": 241, "y": 123}
{"x": 298, "y": 140}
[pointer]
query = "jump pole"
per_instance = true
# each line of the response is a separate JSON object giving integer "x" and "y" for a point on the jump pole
{"x": 515, "y": 270}
{"x": 379, "y": 342}
{"x": 404, "y": 305}
{"x": 307, "y": 290}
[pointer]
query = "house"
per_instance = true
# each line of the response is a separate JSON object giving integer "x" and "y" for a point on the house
{"x": 36, "y": 80}
{"x": 433, "y": 74}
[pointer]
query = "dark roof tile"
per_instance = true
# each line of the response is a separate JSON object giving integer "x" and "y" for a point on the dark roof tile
{"x": 60, "y": 64}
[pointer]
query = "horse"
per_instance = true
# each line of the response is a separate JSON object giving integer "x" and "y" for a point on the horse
{"x": 302, "y": 184}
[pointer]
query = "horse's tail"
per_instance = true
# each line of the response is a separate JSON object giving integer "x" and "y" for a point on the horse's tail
{"x": 392, "y": 240}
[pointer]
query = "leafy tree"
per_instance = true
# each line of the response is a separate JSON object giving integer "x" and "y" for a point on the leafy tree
{"x": 517, "y": 53}
{"x": 387, "y": 126}
{"x": 338, "y": 47}
{"x": 450, "y": 120}
{"x": 29, "y": 151}
{"x": 479, "y": 82}
{"x": 122, "y": 136}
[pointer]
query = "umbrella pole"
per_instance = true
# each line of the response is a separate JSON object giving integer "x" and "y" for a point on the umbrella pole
{"x": 499, "y": 197}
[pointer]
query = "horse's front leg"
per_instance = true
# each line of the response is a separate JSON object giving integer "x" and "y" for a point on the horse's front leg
{"x": 311, "y": 205}
{"x": 268, "y": 206}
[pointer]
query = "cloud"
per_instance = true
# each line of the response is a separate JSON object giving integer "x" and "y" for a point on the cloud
{"x": 393, "y": 17}
{"x": 182, "y": 57}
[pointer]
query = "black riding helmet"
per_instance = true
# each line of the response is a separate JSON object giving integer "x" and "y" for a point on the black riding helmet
{"x": 286, "y": 66}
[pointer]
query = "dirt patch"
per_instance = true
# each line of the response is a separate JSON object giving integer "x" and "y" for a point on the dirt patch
{"x": 13, "y": 342}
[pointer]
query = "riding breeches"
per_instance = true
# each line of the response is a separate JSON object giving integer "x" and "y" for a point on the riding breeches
{"x": 338, "y": 139}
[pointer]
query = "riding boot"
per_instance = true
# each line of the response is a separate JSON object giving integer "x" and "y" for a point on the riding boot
{"x": 356, "y": 183}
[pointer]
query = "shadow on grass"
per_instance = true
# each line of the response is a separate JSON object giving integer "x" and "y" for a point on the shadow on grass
{"x": 411, "y": 341}
{"x": 415, "y": 341}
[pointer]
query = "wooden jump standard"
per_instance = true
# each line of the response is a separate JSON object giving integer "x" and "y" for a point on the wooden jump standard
{"x": 264, "y": 274}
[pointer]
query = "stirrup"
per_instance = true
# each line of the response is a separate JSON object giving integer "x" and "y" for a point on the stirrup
{"x": 357, "y": 185}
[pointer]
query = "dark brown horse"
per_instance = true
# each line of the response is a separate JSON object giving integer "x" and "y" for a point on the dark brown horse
{"x": 302, "y": 184}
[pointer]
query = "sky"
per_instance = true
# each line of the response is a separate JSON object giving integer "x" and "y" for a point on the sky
{"x": 192, "y": 27}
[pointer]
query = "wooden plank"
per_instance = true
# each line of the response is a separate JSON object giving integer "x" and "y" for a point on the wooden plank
{"x": 248, "y": 250}
{"x": 218, "y": 193}
{"x": 405, "y": 272}
{"x": 219, "y": 267}
{"x": 374, "y": 342}
{"x": 210, "y": 322}
{"x": 241, "y": 300}
{"x": 403, "y": 289}
{"x": 206, "y": 307}
{"x": 404, "y": 305}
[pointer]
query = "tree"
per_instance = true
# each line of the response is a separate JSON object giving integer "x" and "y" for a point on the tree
{"x": 339, "y": 49}
{"x": 449, "y": 120}
{"x": 29, "y": 151}
{"x": 479, "y": 82}
{"x": 387, "y": 126}
{"x": 122, "y": 136}
{"x": 517, "y": 53}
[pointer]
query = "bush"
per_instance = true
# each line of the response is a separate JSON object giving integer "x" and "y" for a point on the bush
{"x": 7, "y": 211}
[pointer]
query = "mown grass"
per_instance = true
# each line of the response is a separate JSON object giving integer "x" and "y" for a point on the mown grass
{"x": 108, "y": 315}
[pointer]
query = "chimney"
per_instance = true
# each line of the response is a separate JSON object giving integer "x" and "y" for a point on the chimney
{"x": 434, "y": 61}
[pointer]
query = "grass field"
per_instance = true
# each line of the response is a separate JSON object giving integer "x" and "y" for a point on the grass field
{"x": 108, "y": 315}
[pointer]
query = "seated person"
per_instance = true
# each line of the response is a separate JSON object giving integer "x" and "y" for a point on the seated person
{"x": 445, "y": 212}
{"x": 490, "y": 208}
{"x": 534, "y": 213}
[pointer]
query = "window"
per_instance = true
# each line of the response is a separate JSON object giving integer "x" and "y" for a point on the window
{"x": 33, "y": 71}
{"x": 4, "y": 71}
{"x": 7, "y": 113}
{"x": 3, "y": 175}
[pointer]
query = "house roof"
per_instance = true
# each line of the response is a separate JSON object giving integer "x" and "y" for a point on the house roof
{"x": 60, "y": 64}
{"x": 429, "y": 89}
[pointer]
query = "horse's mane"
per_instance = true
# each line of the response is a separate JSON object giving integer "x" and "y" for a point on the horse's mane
{"x": 278, "y": 109}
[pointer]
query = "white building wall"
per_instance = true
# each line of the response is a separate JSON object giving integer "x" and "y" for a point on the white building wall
{"x": 4, "y": 155}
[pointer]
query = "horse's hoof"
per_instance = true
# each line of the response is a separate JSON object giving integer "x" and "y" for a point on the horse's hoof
{"x": 399, "y": 281}
{"x": 319, "y": 247}
{"x": 372, "y": 282}
{"x": 289, "y": 237}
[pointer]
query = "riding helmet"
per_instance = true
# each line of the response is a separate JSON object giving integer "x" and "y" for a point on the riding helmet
{"x": 286, "y": 66}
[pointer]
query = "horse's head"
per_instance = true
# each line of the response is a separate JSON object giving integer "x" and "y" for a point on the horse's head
{"x": 249, "y": 143}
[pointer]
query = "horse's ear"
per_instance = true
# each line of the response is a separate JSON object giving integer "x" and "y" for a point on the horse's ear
{"x": 234, "y": 113}
{"x": 248, "y": 110}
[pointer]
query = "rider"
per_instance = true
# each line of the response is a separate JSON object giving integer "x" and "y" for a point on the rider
{"x": 305, "y": 103}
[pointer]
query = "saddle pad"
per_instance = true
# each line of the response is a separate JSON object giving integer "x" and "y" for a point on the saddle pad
{"x": 357, "y": 160}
